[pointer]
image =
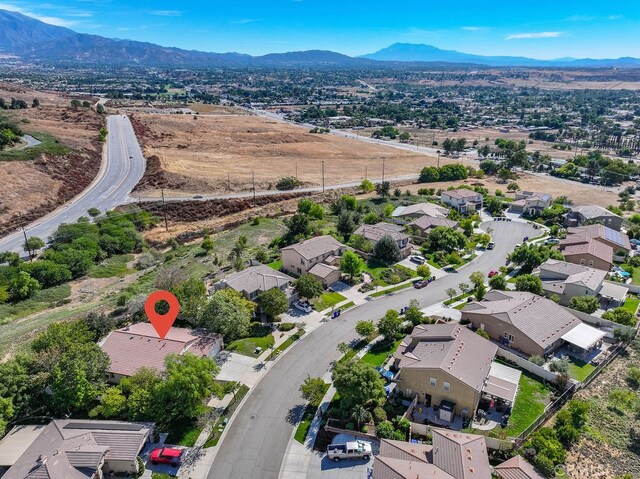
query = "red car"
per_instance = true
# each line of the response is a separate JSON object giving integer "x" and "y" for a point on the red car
{"x": 166, "y": 455}
{"x": 492, "y": 273}
{"x": 420, "y": 284}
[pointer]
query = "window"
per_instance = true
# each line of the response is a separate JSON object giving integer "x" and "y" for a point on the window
{"x": 301, "y": 261}
{"x": 510, "y": 337}
{"x": 446, "y": 386}
{"x": 434, "y": 383}
{"x": 582, "y": 261}
{"x": 591, "y": 262}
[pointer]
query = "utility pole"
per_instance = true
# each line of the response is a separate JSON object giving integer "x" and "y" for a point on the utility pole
{"x": 164, "y": 210}
{"x": 253, "y": 179}
{"x": 296, "y": 170}
{"x": 383, "y": 170}
{"x": 323, "y": 177}
{"x": 25, "y": 237}
{"x": 229, "y": 182}
{"x": 438, "y": 158}
{"x": 365, "y": 172}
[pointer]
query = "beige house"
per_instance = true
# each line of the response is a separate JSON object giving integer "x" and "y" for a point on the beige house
{"x": 412, "y": 212}
{"x": 444, "y": 362}
{"x": 530, "y": 203}
{"x": 463, "y": 200}
{"x": 453, "y": 455}
{"x": 374, "y": 233}
{"x": 592, "y": 254}
{"x": 529, "y": 323}
{"x": 301, "y": 258}
{"x": 425, "y": 224}
{"x": 74, "y": 449}
{"x": 585, "y": 234}
{"x": 591, "y": 214}
{"x": 568, "y": 280}
{"x": 256, "y": 279}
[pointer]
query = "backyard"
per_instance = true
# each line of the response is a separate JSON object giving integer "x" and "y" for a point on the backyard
{"x": 579, "y": 370}
{"x": 631, "y": 304}
{"x": 532, "y": 398}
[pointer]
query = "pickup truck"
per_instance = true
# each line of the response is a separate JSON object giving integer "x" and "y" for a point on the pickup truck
{"x": 349, "y": 450}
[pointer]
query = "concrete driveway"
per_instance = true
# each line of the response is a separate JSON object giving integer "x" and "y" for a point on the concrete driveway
{"x": 321, "y": 467}
{"x": 235, "y": 367}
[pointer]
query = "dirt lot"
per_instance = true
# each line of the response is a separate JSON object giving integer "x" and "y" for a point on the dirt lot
{"x": 577, "y": 192}
{"x": 36, "y": 187}
{"x": 198, "y": 154}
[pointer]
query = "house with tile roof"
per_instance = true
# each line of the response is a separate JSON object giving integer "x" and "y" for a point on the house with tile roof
{"x": 374, "y": 233}
{"x": 425, "y": 224}
{"x": 412, "y": 212}
{"x": 444, "y": 363}
{"x": 529, "y": 323}
{"x": 75, "y": 449}
{"x": 139, "y": 346}
{"x": 302, "y": 257}
{"x": 591, "y": 214}
{"x": 530, "y": 203}
{"x": 256, "y": 279}
{"x": 452, "y": 455}
{"x": 594, "y": 245}
{"x": 463, "y": 200}
{"x": 516, "y": 468}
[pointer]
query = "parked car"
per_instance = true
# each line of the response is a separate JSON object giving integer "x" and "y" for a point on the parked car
{"x": 552, "y": 241}
{"x": 302, "y": 306}
{"x": 349, "y": 450}
{"x": 491, "y": 245}
{"x": 525, "y": 239}
{"x": 420, "y": 284}
{"x": 492, "y": 273}
{"x": 167, "y": 455}
{"x": 416, "y": 258}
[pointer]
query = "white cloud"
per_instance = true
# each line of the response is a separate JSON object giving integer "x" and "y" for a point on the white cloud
{"x": 59, "y": 22}
{"x": 615, "y": 17}
{"x": 166, "y": 13}
{"x": 244, "y": 21}
{"x": 518, "y": 36}
{"x": 474, "y": 29}
{"x": 581, "y": 18}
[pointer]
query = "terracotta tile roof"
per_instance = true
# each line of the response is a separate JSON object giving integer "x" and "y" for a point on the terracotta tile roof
{"x": 464, "y": 456}
{"x": 139, "y": 346}
{"x": 593, "y": 248}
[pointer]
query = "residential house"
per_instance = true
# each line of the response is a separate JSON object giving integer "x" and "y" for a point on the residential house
{"x": 591, "y": 214}
{"x": 516, "y": 468}
{"x": 303, "y": 257}
{"x": 568, "y": 280}
{"x": 593, "y": 254}
{"x": 412, "y": 212}
{"x": 463, "y": 200}
{"x": 374, "y": 233}
{"x": 257, "y": 279}
{"x": 139, "y": 346}
{"x": 453, "y": 455}
{"x": 529, "y": 323}
{"x": 444, "y": 363}
{"x": 423, "y": 225}
{"x": 74, "y": 449}
{"x": 594, "y": 245}
{"x": 530, "y": 203}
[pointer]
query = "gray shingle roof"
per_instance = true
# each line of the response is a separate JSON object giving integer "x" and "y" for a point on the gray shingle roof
{"x": 540, "y": 319}
{"x": 427, "y": 209}
{"x": 572, "y": 273}
{"x": 452, "y": 348}
{"x": 464, "y": 456}
{"x": 592, "y": 211}
{"x": 378, "y": 231}
{"x": 257, "y": 278}
{"x": 517, "y": 468}
{"x": 427, "y": 222}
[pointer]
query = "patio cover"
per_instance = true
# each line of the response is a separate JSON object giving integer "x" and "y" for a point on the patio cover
{"x": 584, "y": 336}
{"x": 502, "y": 382}
{"x": 616, "y": 292}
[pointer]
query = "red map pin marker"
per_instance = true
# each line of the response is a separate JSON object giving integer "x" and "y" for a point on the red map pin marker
{"x": 162, "y": 322}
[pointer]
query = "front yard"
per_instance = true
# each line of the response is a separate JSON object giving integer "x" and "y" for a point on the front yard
{"x": 327, "y": 300}
{"x": 261, "y": 336}
{"x": 379, "y": 352}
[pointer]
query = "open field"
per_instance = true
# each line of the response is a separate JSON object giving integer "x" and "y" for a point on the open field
{"x": 198, "y": 154}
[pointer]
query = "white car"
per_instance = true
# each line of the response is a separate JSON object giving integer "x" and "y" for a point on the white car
{"x": 416, "y": 258}
{"x": 304, "y": 307}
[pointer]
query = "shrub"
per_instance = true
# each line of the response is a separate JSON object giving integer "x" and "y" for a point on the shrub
{"x": 633, "y": 376}
{"x": 286, "y": 326}
{"x": 287, "y": 183}
{"x": 350, "y": 426}
{"x": 537, "y": 360}
{"x": 385, "y": 430}
{"x": 560, "y": 366}
{"x": 379, "y": 415}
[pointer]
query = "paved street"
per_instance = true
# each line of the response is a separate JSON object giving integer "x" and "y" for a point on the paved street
{"x": 118, "y": 176}
{"x": 258, "y": 437}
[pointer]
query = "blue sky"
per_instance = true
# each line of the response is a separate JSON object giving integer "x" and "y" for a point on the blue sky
{"x": 540, "y": 29}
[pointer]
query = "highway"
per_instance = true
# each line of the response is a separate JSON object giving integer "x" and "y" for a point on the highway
{"x": 122, "y": 168}
{"x": 258, "y": 437}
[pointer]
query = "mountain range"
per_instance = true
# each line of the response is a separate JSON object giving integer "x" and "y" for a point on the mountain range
{"x": 32, "y": 40}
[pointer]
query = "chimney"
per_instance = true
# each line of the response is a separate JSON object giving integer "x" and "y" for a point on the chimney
{"x": 41, "y": 461}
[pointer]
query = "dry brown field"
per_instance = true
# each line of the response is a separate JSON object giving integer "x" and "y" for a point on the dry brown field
{"x": 199, "y": 155}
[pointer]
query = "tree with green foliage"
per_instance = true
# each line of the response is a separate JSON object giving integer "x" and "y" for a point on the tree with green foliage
{"x": 141, "y": 390}
{"x": 480, "y": 292}
{"x": 75, "y": 103}
{"x": 424, "y": 271}
{"x": 192, "y": 296}
{"x": 444, "y": 238}
{"x": 620, "y": 316}
{"x": 11, "y": 258}
{"x": 48, "y": 273}
{"x": 346, "y": 224}
{"x": 6, "y": 412}
{"x": 358, "y": 383}
{"x": 366, "y": 186}
{"x": 389, "y": 324}
{"x": 586, "y": 304}
{"x": 493, "y": 205}
{"x": 498, "y": 282}
{"x": 32, "y": 245}
{"x": 513, "y": 186}
{"x": 477, "y": 277}
{"x": 93, "y": 212}
{"x": 313, "y": 389}
{"x": 360, "y": 243}
{"x": 100, "y": 109}
{"x": 386, "y": 250}
{"x": 453, "y": 172}
{"x": 23, "y": 286}
{"x": 529, "y": 256}
{"x": 404, "y": 137}
{"x": 113, "y": 404}
{"x": 229, "y": 314}
{"x": 273, "y": 302}
{"x": 383, "y": 189}
{"x": 429, "y": 174}
{"x": 237, "y": 252}
{"x": 451, "y": 292}
{"x": 413, "y": 313}
{"x": 351, "y": 264}
{"x": 308, "y": 286}
{"x": 207, "y": 244}
{"x": 365, "y": 328}
{"x": 298, "y": 227}
{"x": 530, "y": 283}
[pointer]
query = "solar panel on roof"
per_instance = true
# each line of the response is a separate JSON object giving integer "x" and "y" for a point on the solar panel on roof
{"x": 613, "y": 236}
{"x": 97, "y": 426}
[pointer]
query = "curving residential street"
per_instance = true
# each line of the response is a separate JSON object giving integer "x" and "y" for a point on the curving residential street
{"x": 122, "y": 167}
{"x": 258, "y": 437}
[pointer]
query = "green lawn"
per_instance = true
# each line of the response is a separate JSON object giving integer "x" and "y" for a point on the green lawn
{"x": 49, "y": 146}
{"x": 43, "y": 299}
{"x": 288, "y": 342}
{"x": 391, "y": 290}
{"x": 277, "y": 264}
{"x": 327, "y": 300}
{"x": 307, "y": 417}
{"x": 247, "y": 346}
{"x": 379, "y": 352}
{"x": 458, "y": 298}
{"x": 161, "y": 475}
{"x": 631, "y": 304}
{"x": 531, "y": 400}
{"x": 375, "y": 269}
{"x": 579, "y": 370}
{"x": 218, "y": 428}
{"x": 111, "y": 267}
